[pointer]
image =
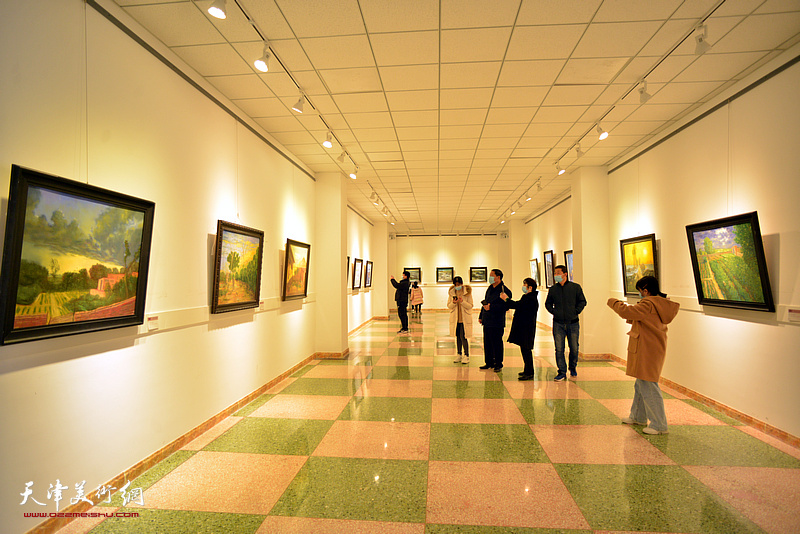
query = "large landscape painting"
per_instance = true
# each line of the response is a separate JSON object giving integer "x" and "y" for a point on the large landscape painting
{"x": 729, "y": 263}
{"x": 74, "y": 254}
{"x": 238, "y": 267}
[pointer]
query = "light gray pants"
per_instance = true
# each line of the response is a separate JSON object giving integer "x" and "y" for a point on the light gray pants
{"x": 649, "y": 404}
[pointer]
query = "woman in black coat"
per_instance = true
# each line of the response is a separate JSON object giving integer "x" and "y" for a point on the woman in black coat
{"x": 523, "y": 327}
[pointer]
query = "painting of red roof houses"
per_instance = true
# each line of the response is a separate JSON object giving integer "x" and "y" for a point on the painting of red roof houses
{"x": 80, "y": 260}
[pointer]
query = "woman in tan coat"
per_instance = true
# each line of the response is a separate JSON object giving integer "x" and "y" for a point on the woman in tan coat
{"x": 647, "y": 348}
{"x": 459, "y": 302}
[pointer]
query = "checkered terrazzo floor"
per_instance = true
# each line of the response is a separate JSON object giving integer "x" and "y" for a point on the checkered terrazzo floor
{"x": 399, "y": 439}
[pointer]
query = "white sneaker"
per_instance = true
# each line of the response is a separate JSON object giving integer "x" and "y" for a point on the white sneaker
{"x": 629, "y": 421}
{"x": 458, "y": 359}
{"x": 465, "y": 359}
{"x": 652, "y": 431}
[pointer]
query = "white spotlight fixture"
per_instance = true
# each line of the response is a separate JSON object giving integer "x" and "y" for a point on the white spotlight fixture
{"x": 217, "y": 9}
{"x": 513, "y": 210}
{"x": 374, "y": 198}
{"x": 578, "y": 152}
{"x": 560, "y": 170}
{"x": 298, "y": 107}
{"x": 340, "y": 159}
{"x": 502, "y": 221}
{"x": 328, "y": 142}
{"x": 644, "y": 96}
{"x": 601, "y": 133}
{"x": 391, "y": 222}
{"x": 262, "y": 63}
{"x": 528, "y": 196}
{"x": 701, "y": 40}
{"x": 519, "y": 204}
{"x": 385, "y": 212}
{"x": 539, "y": 185}
{"x": 354, "y": 174}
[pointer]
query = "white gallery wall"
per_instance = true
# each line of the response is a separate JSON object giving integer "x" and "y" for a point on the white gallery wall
{"x": 360, "y": 246}
{"x": 459, "y": 252}
{"x": 81, "y": 100}
{"x": 741, "y": 158}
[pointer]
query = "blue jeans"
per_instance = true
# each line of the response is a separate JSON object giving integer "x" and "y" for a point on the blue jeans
{"x": 570, "y": 333}
{"x": 648, "y": 403}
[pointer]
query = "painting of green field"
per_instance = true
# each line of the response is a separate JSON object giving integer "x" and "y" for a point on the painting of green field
{"x": 238, "y": 268}
{"x": 726, "y": 258}
{"x": 79, "y": 261}
{"x": 639, "y": 262}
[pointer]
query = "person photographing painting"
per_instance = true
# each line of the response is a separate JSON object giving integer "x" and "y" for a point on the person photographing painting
{"x": 401, "y": 297}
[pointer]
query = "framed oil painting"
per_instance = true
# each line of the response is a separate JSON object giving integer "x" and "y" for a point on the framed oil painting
{"x": 639, "y": 258}
{"x": 75, "y": 258}
{"x": 416, "y": 274}
{"x": 237, "y": 267}
{"x": 368, "y": 275}
{"x": 549, "y": 269}
{"x": 535, "y": 271}
{"x": 729, "y": 265}
{"x": 478, "y": 274}
{"x": 444, "y": 275}
{"x": 295, "y": 270}
{"x": 357, "y": 266}
{"x": 568, "y": 263}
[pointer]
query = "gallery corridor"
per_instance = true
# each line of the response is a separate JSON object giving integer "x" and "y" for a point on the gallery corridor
{"x": 399, "y": 439}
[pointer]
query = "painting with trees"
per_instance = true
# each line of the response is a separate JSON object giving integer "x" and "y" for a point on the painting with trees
{"x": 75, "y": 258}
{"x": 729, "y": 263}
{"x": 295, "y": 270}
{"x": 237, "y": 268}
{"x": 639, "y": 259}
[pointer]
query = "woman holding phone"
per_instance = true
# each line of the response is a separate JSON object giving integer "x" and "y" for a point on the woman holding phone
{"x": 459, "y": 303}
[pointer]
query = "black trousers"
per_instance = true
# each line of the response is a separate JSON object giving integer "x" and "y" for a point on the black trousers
{"x": 461, "y": 339}
{"x": 527, "y": 358}
{"x": 402, "y": 313}
{"x": 493, "y": 345}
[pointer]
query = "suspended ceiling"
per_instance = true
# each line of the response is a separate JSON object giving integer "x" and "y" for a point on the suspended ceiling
{"x": 454, "y": 109}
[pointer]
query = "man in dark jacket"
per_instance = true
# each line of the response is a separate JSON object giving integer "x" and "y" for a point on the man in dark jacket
{"x": 493, "y": 319}
{"x": 401, "y": 296}
{"x": 523, "y": 327}
{"x": 565, "y": 301}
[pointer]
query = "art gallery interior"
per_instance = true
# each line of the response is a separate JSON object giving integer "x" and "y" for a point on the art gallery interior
{"x": 133, "y": 96}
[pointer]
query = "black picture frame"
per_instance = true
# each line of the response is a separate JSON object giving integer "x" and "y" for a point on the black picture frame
{"x": 639, "y": 258}
{"x": 568, "y": 263}
{"x": 238, "y": 253}
{"x": 347, "y": 272}
{"x": 70, "y": 305}
{"x": 357, "y": 267}
{"x": 729, "y": 265}
{"x": 478, "y": 275}
{"x": 549, "y": 269}
{"x": 296, "y": 264}
{"x": 535, "y": 271}
{"x": 368, "y": 274}
{"x": 415, "y": 274}
{"x": 444, "y": 275}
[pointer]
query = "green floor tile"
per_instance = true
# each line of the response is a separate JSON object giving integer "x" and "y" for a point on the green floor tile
{"x": 581, "y": 363}
{"x": 300, "y": 372}
{"x": 322, "y": 386}
{"x": 179, "y": 522}
{"x": 719, "y": 445}
{"x": 357, "y": 488}
{"x": 260, "y": 435}
{"x": 405, "y": 351}
{"x": 712, "y": 412}
{"x": 480, "y": 529}
{"x": 607, "y": 389}
{"x": 355, "y": 344}
{"x": 254, "y": 405}
{"x": 401, "y": 372}
{"x": 484, "y": 443}
{"x": 650, "y": 498}
{"x": 566, "y": 412}
{"x": 469, "y": 389}
{"x": 397, "y": 409}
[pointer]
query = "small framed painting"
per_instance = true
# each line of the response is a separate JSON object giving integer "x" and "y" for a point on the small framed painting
{"x": 478, "y": 274}
{"x": 415, "y": 274}
{"x": 368, "y": 275}
{"x": 639, "y": 258}
{"x": 568, "y": 262}
{"x": 295, "y": 270}
{"x": 75, "y": 258}
{"x": 535, "y": 271}
{"x": 549, "y": 269}
{"x": 444, "y": 275}
{"x": 237, "y": 267}
{"x": 729, "y": 264}
{"x": 357, "y": 266}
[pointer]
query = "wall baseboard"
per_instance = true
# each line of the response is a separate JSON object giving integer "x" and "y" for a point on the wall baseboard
{"x": 332, "y": 355}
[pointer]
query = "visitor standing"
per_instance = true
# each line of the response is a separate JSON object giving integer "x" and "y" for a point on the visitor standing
{"x": 459, "y": 303}
{"x": 523, "y": 326}
{"x": 401, "y": 297}
{"x": 416, "y": 298}
{"x": 565, "y": 301}
{"x": 493, "y": 319}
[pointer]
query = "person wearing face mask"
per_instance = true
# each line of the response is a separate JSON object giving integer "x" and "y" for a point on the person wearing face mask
{"x": 523, "y": 327}
{"x": 565, "y": 301}
{"x": 459, "y": 303}
{"x": 493, "y": 319}
{"x": 401, "y": 297}
{"x": 647, "y": 348}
